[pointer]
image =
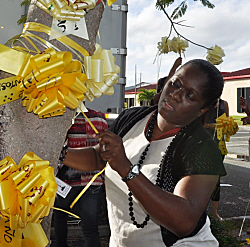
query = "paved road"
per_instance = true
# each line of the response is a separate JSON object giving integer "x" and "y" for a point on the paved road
{"x": 235, "y": 192}
{"x": 238, "y": 144}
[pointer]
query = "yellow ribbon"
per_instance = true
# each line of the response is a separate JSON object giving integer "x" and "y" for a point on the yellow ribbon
{"x": 110, "y": 2}
{"x": 176, "y": 45}
{"x": 50, "y": 81}
{"x": 102, "y": 73}
{"x": 47, "y": 82}
{"x": 86, "y": 187}
{"x": 66, "y": 9}
{"x": 71, "y": 10}
{"x": 100, "y": 68}
{"x": 215, "y": 54}
{"x": 225, "y": 126}
{"x": 96, "y": 175}
{"x": 27, "y": 193}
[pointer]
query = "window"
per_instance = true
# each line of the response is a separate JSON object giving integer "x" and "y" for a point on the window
{"x": 245, "y": 93}
{"x": 131, "y": 102}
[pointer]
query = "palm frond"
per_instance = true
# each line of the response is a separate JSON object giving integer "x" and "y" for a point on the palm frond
{"x": 146, "y": 94}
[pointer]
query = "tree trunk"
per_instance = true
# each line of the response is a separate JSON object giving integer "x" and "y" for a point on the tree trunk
{"x": 20, "y": 131}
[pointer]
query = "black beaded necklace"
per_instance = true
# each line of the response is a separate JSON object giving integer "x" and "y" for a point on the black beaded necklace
{"x": 159, "y": 182}
{"x": 149, "y": 133}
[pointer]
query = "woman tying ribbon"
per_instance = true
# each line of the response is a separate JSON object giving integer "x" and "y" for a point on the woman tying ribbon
{"x": 162, "y": 164}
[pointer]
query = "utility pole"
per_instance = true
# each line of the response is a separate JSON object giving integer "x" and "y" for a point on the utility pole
{"x": 140, "y": 79}
{"x": 135, "y": 86}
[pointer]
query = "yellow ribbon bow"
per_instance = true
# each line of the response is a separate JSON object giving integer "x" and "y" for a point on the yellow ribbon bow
{"x": 50, "y": 81}
{"x": 215, "y": 54}
{"x": 71, "y": 10}
{"x": 47, "y": 83}
{"x": 225, "y": 126}
{"x": 102, "y": 73}
{"x": 176, "y": 45}
{"x": 27, "y": 194}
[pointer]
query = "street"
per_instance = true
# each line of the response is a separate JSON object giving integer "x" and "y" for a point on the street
{"x": 235, "y": 191}
{"x": 239, "y": 142}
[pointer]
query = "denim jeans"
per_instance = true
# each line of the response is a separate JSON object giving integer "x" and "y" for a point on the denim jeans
{"x": 87, "y": 208}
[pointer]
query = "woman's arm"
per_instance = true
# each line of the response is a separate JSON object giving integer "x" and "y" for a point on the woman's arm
{"x": 178, "y": 212}
{"x": 210, "y": 126}
{"x": 84, "y": 159}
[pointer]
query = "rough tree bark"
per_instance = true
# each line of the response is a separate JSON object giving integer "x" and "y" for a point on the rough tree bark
{"x": 20, "y": 131}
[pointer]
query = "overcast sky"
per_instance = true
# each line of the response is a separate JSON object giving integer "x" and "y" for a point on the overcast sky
{"x": 227, "y": 25}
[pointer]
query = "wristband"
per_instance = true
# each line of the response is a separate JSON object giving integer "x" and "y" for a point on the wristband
{"x": 134, "y": 172}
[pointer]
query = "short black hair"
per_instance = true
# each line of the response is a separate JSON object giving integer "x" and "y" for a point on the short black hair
{"x": 160, "y": 83}
{"x": 214, "y": 84}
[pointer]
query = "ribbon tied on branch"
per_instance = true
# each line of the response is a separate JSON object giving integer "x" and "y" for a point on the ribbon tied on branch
{"x": 176, "y": 45}
{"x": 215, "y": 54}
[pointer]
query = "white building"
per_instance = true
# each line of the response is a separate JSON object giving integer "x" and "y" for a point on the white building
{"x": 237, "y": 83}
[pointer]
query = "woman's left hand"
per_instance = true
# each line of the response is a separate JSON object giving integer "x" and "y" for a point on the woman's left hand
{"x": 112, "y": 151}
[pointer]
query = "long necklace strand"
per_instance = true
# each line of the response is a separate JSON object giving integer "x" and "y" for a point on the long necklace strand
{"x": 164, "y": 182}
{"x": 149, "y": 133}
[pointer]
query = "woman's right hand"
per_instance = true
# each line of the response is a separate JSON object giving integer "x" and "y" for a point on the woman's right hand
{"x": 112, "y": 150}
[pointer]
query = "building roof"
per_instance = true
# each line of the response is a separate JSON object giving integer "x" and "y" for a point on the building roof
{"x": 239, "y": 74}
{"x": 131, "y": 90}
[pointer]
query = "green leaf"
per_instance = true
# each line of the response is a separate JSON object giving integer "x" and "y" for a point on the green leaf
{"x": 179, "y": 11}
{"x": 206, "y": 3}
{"x": 25, "y": 2}
{"x": 22, "y": 20}
{"x": 165, "y": 3}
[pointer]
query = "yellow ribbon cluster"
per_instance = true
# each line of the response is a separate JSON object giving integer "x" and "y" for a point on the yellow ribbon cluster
{"x": 50, "y": 81}
{"x": 71, "y": 10}
{"x": 27, "y": 194}
{"x": 215, "y": 54}
{"x": 225, "y": 126}
{"x": 176, "y": 45}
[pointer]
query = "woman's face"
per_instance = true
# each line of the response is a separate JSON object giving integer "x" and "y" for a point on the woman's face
{"x": 181, "y": 99}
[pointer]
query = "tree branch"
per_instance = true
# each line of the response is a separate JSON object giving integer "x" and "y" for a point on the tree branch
{"x": 173, "y": 26}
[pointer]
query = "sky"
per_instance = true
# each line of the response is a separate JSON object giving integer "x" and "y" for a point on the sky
{"x": 227, "y": 25}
